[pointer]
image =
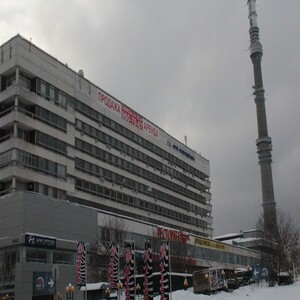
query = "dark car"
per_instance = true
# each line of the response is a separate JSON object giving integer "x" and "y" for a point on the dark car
{"x": 232, "y": 284}
{"x": 284, "y": 278}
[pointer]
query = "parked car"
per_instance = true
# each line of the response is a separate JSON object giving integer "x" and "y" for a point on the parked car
{"x": 232, "y": 284}
{"x": 284, "y": 278}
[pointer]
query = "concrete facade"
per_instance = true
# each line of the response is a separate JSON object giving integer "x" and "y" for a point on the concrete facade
{"x": 96, "y": 150}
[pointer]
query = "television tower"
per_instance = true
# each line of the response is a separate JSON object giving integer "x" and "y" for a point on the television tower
{"x": 264, "y": 142}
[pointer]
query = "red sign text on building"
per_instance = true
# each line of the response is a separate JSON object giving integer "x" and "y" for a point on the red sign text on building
{"x": 127, "y": 114}
{"x": 172, "y": 235}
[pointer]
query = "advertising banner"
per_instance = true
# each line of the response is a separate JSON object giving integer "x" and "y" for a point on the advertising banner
{"x": 129, "y": 270}
{"x": 148, "y": 272}
{"x": 164, "y": 270}
{"x": 43, "y": 284}
{"x": 81, "y": 266}
{"x": 113, "y": 264}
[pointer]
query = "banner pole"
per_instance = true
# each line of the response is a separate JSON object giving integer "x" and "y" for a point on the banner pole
{"x": 170, "y": 271}
{"x": 86, "y": 273}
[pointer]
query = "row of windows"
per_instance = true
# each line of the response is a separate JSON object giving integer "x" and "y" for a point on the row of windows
{"x": 51, "y": 142}
{"x": 8, "y": 259}
{"x": 40, "y": 113}
{"x": 47, "y": 190}
{"x": 132, "y": 168}
{"x": 134, "y": 153}
{"x": 34, "y": 162}
{"x": 41, "y": 164}
{"x": 102, "y": 119}
{"x": 131, "y": 214}
{"x": 97, "y": 171}
{"x": 50, "y": 92}
{"x": 6, "y": 158}
{"x": 133, "y": 201}
{"x": 43, "y": 140}
{"x": 46, "y": 256}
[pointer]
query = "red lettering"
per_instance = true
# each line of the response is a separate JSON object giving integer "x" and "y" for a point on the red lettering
{"x": 172, "y": 235}
{"x": 109, "y": 103}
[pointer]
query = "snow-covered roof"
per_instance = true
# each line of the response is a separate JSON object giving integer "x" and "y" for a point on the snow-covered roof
{"x": 283, "y": 274}
{"x": 95, "y": 286}
{"x": 228, "y": 235}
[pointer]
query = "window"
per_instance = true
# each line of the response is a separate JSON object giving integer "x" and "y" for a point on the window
{"x": 36, "y": 255}
{"x": 11, "y": 80}
{"x": 42, "y": 87}
{"x": 63, "y": 258}
{"x": 62, "y": 98}
{"x": 52, "y": 93}
{"x": 25, "y": 82}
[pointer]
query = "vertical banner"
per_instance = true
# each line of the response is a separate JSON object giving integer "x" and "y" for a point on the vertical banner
{"x": 81, "y": 268}
{"x": 113, "y": 264}
{"x": 129, "y": 271}
{"x": 164, "y": 270}
{"x": 148, "y": 272}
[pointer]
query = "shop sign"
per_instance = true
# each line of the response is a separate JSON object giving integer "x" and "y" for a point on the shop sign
{"x": 38, "y": 241}
{"x": 209, "y": 244}
{"x": 172, "y": 235}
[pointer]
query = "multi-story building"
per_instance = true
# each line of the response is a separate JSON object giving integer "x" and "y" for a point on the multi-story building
{"x": 70, "y": 153}
{"x": 64, "y": 137}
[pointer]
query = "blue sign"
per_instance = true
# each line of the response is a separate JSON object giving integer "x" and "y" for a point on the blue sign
{"x": 260, "y": 273}
{"x": 43, "y": 284}
{"x": 264, "y": 274}
{"x": 256, "y": 272}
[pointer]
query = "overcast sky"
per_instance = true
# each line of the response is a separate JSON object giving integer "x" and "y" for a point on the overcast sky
{"x": 185, "y": 66}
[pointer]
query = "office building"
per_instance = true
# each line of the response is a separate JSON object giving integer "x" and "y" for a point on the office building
{"x": 64, "y": 137}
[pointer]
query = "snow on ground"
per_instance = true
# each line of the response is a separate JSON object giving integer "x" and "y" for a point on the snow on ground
{"x": 287, "y": 292}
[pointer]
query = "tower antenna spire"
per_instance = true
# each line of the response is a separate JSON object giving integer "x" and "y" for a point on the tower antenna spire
{"x": 263, "y": 142}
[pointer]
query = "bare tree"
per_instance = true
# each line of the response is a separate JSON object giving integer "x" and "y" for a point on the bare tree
{"x": 113, "y": 230}
{"x": 178, "y": 251}
{"x": 287, "y": 254}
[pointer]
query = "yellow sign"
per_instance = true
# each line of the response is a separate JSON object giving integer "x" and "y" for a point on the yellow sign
{"x": 209, "y": 244}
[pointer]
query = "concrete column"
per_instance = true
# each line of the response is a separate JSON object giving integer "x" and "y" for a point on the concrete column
{"x": 13, "y": 184}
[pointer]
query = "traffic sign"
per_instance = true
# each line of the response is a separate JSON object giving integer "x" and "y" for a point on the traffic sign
{"x": 256, "y": 272}
{"x": 264, "y": 274}
{"x": 43, "y": 284}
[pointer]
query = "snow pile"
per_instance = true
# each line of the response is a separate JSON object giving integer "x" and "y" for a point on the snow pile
{"x": 288, "y": 292}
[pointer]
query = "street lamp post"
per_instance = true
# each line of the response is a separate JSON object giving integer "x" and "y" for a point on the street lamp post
{"x": 138, "y": 288}
{"x": 70, "y": 291}
{"x": 107, "y": 293}
{"x": 119, "y": 286}
{"x": 185, "y": 284}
